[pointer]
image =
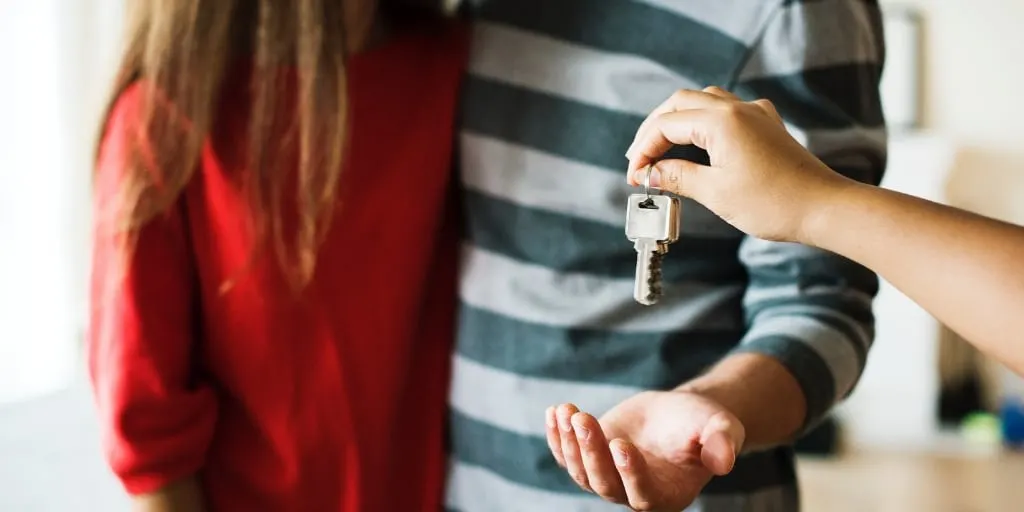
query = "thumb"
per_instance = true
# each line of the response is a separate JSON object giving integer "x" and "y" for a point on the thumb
{"x": 680, "y": 177}
{"x": 721, "y": 442}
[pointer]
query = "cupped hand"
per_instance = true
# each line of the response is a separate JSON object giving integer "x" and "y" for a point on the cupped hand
{"x": 760, "y": 179}
{"x": 652, "y": 452}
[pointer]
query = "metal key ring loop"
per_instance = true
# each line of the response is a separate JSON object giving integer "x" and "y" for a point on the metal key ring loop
{"x": 647, "y": 180}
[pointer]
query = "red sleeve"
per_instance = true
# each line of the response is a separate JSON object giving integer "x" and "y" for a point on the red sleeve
{"x": 156, "y": 418}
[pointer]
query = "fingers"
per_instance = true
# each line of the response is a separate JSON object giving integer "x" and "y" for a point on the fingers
{"x": 602, "y": 476}
{"x": 636, "y": 479}
{"x": 721, "y": 93}
{"x": 680, "y": 177}
{"x": 686, "y": 99}
{"x": 554, "y": 438}
{"x": 674, "y": 128}
{"x": 683, "y": 99}
{"x": 721, "y": 442}
{"x": 685, "y": 118}
{"x": 570, "y": 447}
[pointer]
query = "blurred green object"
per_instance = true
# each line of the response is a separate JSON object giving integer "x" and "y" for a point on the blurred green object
{"x": 982, "y": 428}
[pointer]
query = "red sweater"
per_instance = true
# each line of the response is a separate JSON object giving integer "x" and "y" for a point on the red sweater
{"x": 334, "y": 401}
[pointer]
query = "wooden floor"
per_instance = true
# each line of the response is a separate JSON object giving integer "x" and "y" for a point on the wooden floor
{"x": 913, "y": 483}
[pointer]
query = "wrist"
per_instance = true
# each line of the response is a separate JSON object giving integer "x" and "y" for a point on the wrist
{"x": 826, "y": 207}
{"x": 760, "y": 392}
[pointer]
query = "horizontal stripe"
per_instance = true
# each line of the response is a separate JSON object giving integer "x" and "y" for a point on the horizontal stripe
{"x": 515, "y": 403}
{"x": 809, "y": 266}
{"x": 542, "y": 181}
{"x": 568, "y": 244}
{"x": 807, "y": 367}
{"x": 757, "y": 252}
{"x": 859, "y": 334}
{"x": 831, "y": 345}
{"x": 777, "y": 267}
{"x": 803, "y": 36}
{"x": 742, "y": 20}
{"x": 858, "y": 153}
{"x": 519, "y": 458}
{"x": 566, "y": 128}
{"x": 770, "y": 292}
{"x": 782, "y": 498}
{"x": 686, "y": 46}
{"x": 836, "y": 97}
{"x": 615, "y": 81}
{"x": 526, "y": 461}
{"x": 649, "y": 360}
{"x": 471, "y": 488}
{"x": 856, "y": 330}
{"x": 541, "y": 295}
{"x": 618, "y": 82}
{"x": 853, "y": 303}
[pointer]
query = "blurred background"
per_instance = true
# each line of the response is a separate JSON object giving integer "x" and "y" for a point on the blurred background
{"x": 929, "y": 427}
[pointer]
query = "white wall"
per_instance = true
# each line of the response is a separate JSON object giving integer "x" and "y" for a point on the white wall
{"x": 972, "y": 106}
{"x": 55, "y": 55}
{"x": 974, "y": 68}
{"x": 36, "y": 324}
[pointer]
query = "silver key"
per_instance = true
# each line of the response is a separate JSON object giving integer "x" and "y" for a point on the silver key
{"x": 652, "y": 223}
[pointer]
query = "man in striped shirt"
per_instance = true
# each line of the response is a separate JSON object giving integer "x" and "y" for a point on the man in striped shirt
{"x": 555, "y": 92}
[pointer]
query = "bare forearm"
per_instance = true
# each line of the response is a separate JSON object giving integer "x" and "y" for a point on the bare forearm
{"x": 963, "y": 268}
{"x": 761, "y": 392}
{"x": 182, "y": 496}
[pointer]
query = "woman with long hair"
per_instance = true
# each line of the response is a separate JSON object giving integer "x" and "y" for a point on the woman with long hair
{"x": 274, "y": 251}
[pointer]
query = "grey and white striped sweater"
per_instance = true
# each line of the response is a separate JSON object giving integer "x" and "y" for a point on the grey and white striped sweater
{"x": 554, "y": 94}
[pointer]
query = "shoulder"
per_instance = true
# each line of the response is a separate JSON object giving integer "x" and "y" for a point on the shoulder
{"x": 125, "y": 126}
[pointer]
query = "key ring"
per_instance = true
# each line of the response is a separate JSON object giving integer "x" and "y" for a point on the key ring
{"x": 647, "y": 181}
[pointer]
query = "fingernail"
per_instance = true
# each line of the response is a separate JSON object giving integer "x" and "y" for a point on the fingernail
{"x": 549, "y": 417}
{"x": 619, "y": 456}
{"x": 641, "y": 174}
{"x": 629, "y": 151}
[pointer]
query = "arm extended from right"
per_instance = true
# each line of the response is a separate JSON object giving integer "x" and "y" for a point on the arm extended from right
{"x": 963, "y": 268}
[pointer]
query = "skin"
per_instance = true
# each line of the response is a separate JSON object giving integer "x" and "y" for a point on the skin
{"x": 658, "y": 449}
{"x": 183, "y": 496}
{"x": 962, "y": 268}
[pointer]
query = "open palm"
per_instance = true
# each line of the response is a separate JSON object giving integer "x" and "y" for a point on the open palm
{"x": 654, "y": 451}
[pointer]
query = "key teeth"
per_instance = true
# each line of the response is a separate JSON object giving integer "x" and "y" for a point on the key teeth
{"x": 654, "y": 276}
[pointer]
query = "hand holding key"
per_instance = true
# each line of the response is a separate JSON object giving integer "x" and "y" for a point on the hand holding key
{"x": 760, "y": 179}
{"x": 652, "y": 222}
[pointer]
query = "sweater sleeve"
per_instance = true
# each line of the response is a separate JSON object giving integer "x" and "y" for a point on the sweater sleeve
{"x": 820, "y": 63}
{"x": 156, "y": 417}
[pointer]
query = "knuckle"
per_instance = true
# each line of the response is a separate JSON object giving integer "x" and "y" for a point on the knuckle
{"x": 681, "y": 94}
{"x": 767, "y": 107}
{"x": 671, "y": 181}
